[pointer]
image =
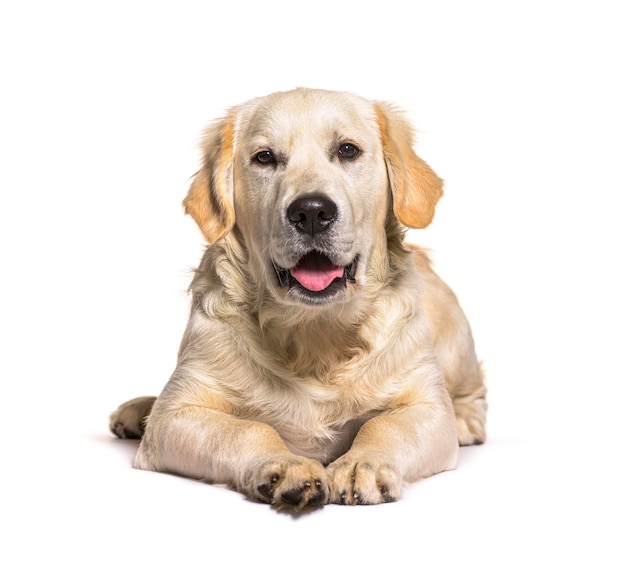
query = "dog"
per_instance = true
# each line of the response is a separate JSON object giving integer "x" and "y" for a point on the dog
{"x": 324, "y": 361}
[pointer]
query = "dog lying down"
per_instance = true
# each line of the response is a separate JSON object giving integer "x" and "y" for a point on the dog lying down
{"x": 324, "y": 360}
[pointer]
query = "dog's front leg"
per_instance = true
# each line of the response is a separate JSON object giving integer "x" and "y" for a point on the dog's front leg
{"x": 250, "y": 456}
{"x": 393, "y": 448}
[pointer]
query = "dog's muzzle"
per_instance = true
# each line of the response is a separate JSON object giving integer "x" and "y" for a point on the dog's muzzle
{"x": 316, "y": 278}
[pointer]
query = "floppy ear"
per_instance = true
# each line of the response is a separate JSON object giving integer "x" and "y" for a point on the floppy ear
{"x": 415, "y": 187}
{"x": 210, "y": 197}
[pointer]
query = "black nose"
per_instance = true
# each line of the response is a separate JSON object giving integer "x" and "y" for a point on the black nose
{"x": 312, "y": 214}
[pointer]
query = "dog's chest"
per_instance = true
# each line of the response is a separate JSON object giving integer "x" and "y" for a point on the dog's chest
{"x": 318, "y": 418}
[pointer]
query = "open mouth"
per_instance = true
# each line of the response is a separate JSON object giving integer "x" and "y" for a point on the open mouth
{"x": 316, "y": 276}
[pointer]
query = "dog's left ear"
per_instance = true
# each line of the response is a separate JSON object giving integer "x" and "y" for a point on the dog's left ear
{"x": 210, "y": 197}
{"x": 415, "y": 187}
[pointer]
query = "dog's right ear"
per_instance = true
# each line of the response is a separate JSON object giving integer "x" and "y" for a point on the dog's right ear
{"x": 210, "y": 197}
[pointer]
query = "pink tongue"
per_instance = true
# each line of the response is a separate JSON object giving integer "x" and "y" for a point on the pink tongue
{"x": 315, "y": 272}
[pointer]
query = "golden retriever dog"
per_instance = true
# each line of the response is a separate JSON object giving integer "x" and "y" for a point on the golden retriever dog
{"x": 324, "y": 360}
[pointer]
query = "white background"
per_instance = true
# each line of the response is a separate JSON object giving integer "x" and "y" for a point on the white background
{"x": 519, "y": 106}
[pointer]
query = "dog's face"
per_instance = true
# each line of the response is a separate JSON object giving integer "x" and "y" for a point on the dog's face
{"x": 310, "y": 188}
{"x": 310, "y": 178}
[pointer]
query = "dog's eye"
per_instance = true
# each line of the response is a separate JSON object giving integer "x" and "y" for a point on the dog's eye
{"x": 265, "y": 157}
{"x": 348, "y": 151}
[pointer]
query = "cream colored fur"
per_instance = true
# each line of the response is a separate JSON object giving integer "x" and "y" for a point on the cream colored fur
{"x": 298, "y": 398}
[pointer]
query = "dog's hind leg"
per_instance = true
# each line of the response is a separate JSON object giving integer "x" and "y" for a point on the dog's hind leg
{"x": 129, "y": 420}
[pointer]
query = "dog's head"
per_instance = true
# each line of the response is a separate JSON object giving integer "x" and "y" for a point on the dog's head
{"x": 310, "y": 180}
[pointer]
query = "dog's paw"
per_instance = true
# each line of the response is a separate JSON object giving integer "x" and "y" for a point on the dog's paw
{"x": 129, "y": 420}
{"x": 289, "y": 482}
{"x": 470, "y": 422}
{"x": 363, "y": 480}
